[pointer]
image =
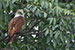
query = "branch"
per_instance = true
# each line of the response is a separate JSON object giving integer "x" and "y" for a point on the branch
{"x": 27, "y": 33}
{"x": 3, "y": 38}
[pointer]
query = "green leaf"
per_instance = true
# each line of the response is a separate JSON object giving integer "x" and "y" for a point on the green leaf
{"x": 56, "y": 35}
{"x": 45, "y": 14}
{"x": 42, "y": 3}
{"x": 4, "y": 5}
{"x": 51, "y": 33}
{"x": 23, "y": 47}
{"x": 35, "y": 1}
{"x": 54, "y": 28}
{"x": 34, "y": 9}
{"x": 46, "y": 32}
{"x": 61, "y": 37}
{"x": 57, "y": 12}
{"x": 23, "y": 27}
{"x": 46, "y": 4}
{"x": 67, "y": 48}
{"x": 56, "y": 1}
{"x": 28, "y": 6}
{"x": 52, "y": 0}
{"x": 13, "y": 1}
{"x": 11, "y": 5}
{"x": 0, "y": 6}
{"x": 33, "y": 47}
{"x": 51, "y": 20}
{"x": 28, "y": 48}
{"x": 48, "y": 39}
{"x": 50, "y": 5}
{"x": 54, "y": 43}
{"x": 54, "y": 19}
{"x": 38, "y": 13}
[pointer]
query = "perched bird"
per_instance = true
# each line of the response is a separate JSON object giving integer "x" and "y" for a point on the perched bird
{"x": 16, "y": 24}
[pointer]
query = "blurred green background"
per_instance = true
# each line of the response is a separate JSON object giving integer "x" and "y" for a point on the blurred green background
{"x": 53, "y": 21}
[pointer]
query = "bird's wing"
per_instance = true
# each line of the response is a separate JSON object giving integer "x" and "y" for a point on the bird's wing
{"x": 15, "y": 25}
{"x": 11, "y": 26}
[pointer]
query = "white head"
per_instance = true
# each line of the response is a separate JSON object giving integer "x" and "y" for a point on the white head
{"x": 19, "y": 13}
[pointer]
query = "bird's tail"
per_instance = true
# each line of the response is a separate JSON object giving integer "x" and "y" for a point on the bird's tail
{"x": 10, "y": 40}
{"x": 5, "y": 38}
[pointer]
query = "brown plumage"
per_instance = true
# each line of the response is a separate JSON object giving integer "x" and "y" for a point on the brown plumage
{"x": 15, "y": 24}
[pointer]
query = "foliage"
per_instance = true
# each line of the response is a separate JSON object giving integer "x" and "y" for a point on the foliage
{"x": 57, "y": 24}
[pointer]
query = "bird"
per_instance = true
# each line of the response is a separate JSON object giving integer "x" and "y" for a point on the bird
{"x": 16, "y": 24}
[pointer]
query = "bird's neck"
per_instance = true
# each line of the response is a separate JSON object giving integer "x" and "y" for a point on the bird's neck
{"x": 17, "y": 15}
